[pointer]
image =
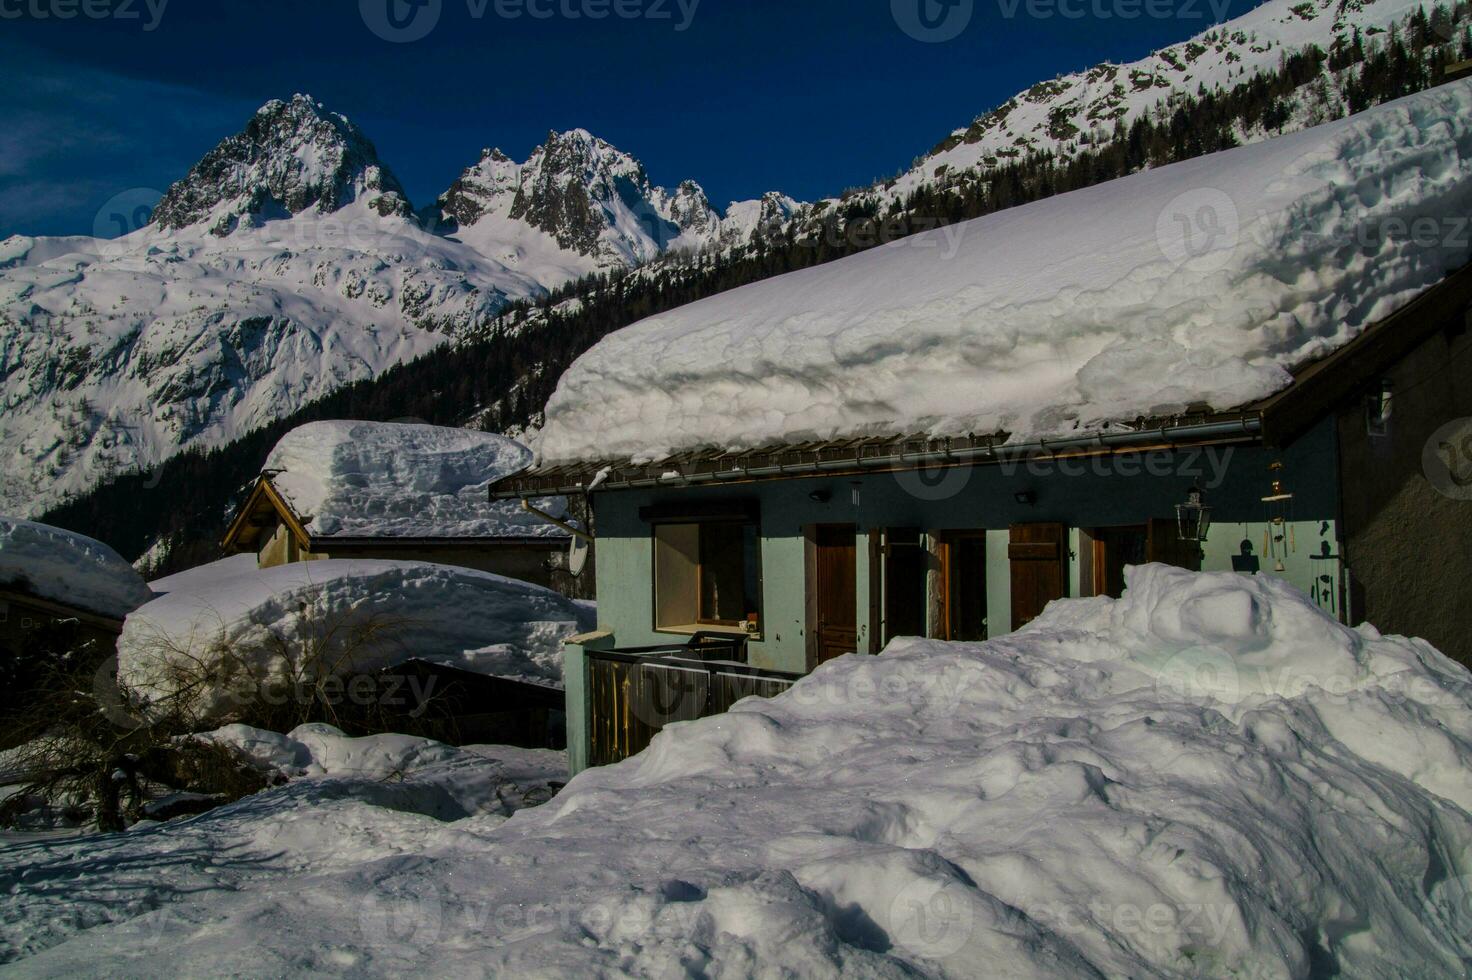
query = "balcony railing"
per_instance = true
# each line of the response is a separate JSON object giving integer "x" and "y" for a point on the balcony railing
{"x": 634, "y": 693}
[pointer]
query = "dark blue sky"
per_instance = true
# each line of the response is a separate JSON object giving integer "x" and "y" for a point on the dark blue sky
{"x": 804, "y": 96}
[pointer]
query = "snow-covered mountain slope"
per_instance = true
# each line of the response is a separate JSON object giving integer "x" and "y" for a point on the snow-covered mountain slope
{"x": 292, "y": 157}
{"x": 1066, "y": 113}
{"x": 284, "y": 265}
{"x": 287, "y": 263}
{"x": 581, "y": 205}
{"x": 1060, "y": 316}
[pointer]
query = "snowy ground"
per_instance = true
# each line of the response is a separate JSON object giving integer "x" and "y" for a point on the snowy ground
{"x": 1206, "y": 778}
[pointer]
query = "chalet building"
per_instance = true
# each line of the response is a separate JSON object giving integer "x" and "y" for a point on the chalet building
{"x": 732, "y": 572}
{"x": 402, "y": 492}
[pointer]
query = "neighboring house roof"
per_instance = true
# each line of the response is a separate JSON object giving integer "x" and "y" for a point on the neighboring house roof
{"x": 68, "y": 569}
{"x": 1195, "y": 291}
{"x": 356, "y": 482}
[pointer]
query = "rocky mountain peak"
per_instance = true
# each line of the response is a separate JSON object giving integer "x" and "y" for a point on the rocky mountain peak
{"x": 293, "y": 156}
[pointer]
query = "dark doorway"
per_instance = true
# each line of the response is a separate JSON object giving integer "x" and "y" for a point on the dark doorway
{"x": 905, "y": 564}
{"x": 834, "y": 584}
{"x": 963, "y": 557}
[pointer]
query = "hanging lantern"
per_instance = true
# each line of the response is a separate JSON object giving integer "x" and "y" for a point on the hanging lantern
{"x": 1193, "y": 517}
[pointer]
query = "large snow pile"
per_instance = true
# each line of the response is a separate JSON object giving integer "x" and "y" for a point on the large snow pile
{"x": 212, "y": 641}
{"x": 373, "y": 479}
{"x": 1201, "y": 282}
{"x": 1207, "y": 777}
{"x": 68, "y": 568}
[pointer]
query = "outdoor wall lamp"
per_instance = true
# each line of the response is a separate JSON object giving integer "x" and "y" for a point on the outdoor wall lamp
{"x": 1194, "y": 516}
{"x": 1025, "y": 497}
{"x": 820, "y": 496}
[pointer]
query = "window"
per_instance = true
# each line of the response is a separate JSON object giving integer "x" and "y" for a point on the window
{"x": 707, "y": 574}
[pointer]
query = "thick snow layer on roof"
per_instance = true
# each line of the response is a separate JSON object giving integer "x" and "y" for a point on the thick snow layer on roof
{"x": 353, "y": 615}
{"x": 1206, "y": 777}
{"x": 373, "y": 479}
{"x": 206, "y": 576}
{"x": 68, "y": 568}
{"x": 1205, "y": 281}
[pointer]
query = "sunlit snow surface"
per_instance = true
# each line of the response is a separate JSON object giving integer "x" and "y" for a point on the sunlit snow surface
{"x": 1203, "y": 282}
{"x": 1208, "y": 777}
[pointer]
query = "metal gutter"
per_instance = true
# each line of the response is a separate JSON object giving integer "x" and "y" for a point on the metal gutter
{"x": 1244, "y": 428}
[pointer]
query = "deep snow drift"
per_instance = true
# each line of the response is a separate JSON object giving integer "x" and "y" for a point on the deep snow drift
{"x": 214, "y": 638}
{"x": 69, "y": 568}
{"x": 1201, "y": 282}
{"x": 350, "y": 800}
{"x": 1207, "y": 777}
{"x": 381, "y": 480}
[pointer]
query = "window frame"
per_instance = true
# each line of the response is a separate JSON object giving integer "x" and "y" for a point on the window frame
{"x": 743, "y": 519}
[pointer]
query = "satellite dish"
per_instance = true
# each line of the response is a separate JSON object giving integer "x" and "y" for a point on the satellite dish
{"x": 577, "y": 555}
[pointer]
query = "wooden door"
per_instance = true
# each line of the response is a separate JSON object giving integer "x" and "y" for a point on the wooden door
{"x": 1112, "y": 549}
{"x": 1038, "y": 555}
{"x": 1165, "y": 545}
{"x": 834, "y": 586}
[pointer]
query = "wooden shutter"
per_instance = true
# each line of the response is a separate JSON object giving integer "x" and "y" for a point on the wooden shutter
{"x": 1165, "y": 546}
{"x": 1038, "y": 554}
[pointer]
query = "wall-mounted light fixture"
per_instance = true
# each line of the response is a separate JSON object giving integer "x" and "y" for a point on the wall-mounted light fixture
{"x": 820, "y": 496}
{"x": 1193, "y": 518}
{"x": 1025, "y": 497}
{"x": 1377, "y": 410}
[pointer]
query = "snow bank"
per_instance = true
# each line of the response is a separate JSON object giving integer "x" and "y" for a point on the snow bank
{"x": 370, "y": 479}
{"x": 69, "y": 568}
{"x": 1207, "y": 777}
{"x": 316, "y": 750}
{"x": 1201, "y": 282}
{"x": 286, "y": 841}
{"x": 353, "y": 615}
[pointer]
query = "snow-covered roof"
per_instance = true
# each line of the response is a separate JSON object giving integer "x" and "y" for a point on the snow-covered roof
{"x": 389, "y": 480}
{"x": 465, "y": 618}
{"x": 68, "y": 568}
{"x": 1201, "y": 283}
